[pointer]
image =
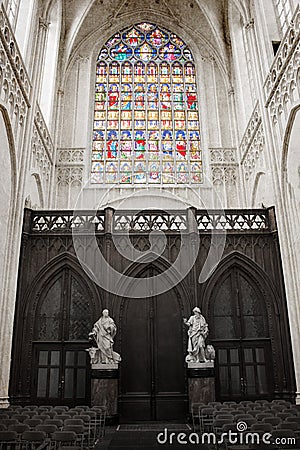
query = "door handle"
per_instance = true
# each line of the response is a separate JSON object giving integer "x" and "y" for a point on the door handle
{"x": 242, "y": 385}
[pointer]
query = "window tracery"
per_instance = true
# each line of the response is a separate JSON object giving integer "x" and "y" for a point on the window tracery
{"x": 146, "y": 120}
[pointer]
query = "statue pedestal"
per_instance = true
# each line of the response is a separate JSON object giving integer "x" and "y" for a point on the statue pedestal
{"x": 105, "y": 389}
{"x": 201, "y": 382}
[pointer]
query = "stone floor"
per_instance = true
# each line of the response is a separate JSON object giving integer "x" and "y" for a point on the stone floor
{"x": 144, "y": 436}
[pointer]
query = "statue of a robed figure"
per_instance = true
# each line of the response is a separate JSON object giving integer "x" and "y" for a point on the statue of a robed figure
{"x": 198, "y": 351}
{"x": 102, "y": 334}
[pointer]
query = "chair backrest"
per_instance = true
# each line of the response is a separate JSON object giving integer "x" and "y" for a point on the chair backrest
{"x": 30, "y": 407}
{"x": 64, "y": 436}
{"x": 207, "y": 411}
{"x": 74, "y": 422}
{"x": 8, "y": 436}
{"x": 61, "y": 408}
{"x": 293, "y": 411}
{"x": 224, "y": 417}
{"x": 19, "y": 428}
{"x": 229, "y": 426}
{"x": 45, "y": 408}
{"x": 265, "y": 427}
{"x": 272, "y": 420}
{"x": 3, "y": 416}
{"x": 90, "y": 413}
{"x": 84, "y": 417}
{"x": 261, "y": 416}
{"x": 62, "y": 417}
{"x": 33, "y": 422}
{"x": 218, "y": 423}
{"x": 244, "y": 416}
{"x": 49, "y": 413}
{"x": 73, "y": 412}
{"x": 20, "y": 417}
{"x": 78, "y": 429}
{"x": 48, "y": 429}
{"x": 34, "y": 436}
{"x": 283, "y": 432}
{"x": 283, "y": 416}
{"x": 57, "y": 422}
{"x": 8, "y": 422}
{"x": 294, "y": 419}
{"x": 289, "y": 425}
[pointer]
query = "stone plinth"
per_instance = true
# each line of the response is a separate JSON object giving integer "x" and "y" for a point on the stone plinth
{"x": 201, "y": 382}
{"x": 105, "y": 388}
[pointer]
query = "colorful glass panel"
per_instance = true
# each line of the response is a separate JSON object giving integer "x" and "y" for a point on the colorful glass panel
{"x": 146, "y": 119}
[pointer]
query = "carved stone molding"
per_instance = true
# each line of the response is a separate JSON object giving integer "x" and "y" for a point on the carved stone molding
{"x": 69, "y": 176}
{"x": 14, "y": 79}
{"x": 70, "y": 155}
{"x": 224, "y": 166}
{"x": 222, "y": 155}
{"x": 69, "y": 167}
{"x": 253, "y": 154}
{"x": 40, "y": 161}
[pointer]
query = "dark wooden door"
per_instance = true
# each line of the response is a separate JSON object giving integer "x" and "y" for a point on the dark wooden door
{"x": 61, "y": 374}
{"x": 241, "y": 337}
{"x": 244, "y": 370}
{"x": 60, "y": 364}
{"x": 152, "y": 371}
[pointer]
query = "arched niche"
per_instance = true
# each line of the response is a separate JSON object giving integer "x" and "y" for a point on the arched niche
{"x": 250, "y": 331}
{"x": 56, "y": 314}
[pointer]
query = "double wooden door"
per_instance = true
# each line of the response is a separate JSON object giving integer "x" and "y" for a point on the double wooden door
{"x": 240, "y": 334}
{"x": 244, "y": 370}
{"x": 60, "y": 364}
{"x": 61, "y": 375}
{"x": 152, "y": 370}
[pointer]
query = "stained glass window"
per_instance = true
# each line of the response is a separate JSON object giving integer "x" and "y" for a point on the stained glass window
{"x": 146, "y": 121}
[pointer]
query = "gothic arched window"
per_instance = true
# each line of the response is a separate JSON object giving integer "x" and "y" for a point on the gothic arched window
{"x": 146, "y": 122}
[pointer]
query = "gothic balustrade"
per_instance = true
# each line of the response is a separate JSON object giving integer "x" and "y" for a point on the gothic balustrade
{"x": 252, "y": 144}
{"x": 286, "y": 56}
{"x": 175, "y": 222}
{"x": 282, "y": 86}
{"x": 66, "y": 222}
{"x": 42, "y": 151}
{"x": 43, "y": 132}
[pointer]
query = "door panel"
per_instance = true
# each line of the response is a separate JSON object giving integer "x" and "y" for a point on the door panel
{"x": 152, "y": 370}
{"x": 169, "y": 364}
{"x": 136, "y": 361}
{"x": 61, "y": 375}
{"x": 239, "y": 332}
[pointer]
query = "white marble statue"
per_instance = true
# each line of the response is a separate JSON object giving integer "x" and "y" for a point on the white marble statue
{"x": 103, "y": 333}
{"x": 197, "y": 333}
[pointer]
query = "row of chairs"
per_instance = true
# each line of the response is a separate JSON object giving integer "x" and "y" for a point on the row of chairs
{"x": 279, "y": 417}
{"x": 51, "y": 427}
